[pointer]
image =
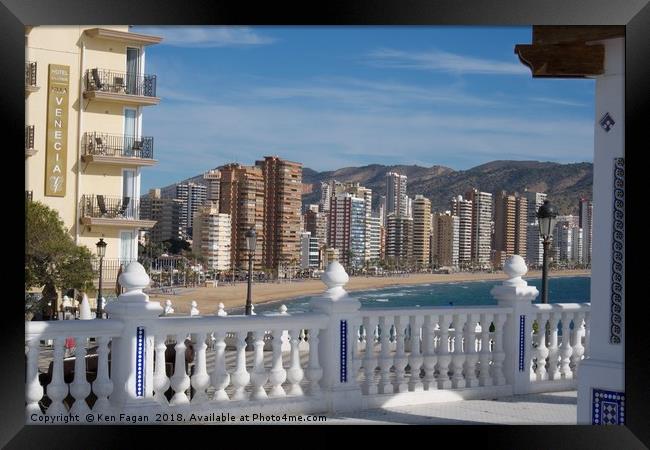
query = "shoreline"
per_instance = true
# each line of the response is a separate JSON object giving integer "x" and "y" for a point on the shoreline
{"x": 233, "y": 297}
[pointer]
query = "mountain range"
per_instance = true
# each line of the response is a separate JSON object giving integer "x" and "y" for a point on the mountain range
{"x": 565, "y": 184}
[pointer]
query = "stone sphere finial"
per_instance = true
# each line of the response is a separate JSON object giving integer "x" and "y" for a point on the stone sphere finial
{"x": 335, "y": 276}
{"x": 283, "y": 309}
{"x": 134, "y": 277}
{"x": 515, "y": 268}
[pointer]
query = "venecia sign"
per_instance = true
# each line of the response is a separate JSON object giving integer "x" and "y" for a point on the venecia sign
{"x": 56, "y": 155}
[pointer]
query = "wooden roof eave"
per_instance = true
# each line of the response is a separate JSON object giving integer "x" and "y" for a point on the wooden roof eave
{"x": 571, "y": 60}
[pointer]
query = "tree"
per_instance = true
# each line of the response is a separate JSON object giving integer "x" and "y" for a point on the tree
{"x": 52, "y": 260}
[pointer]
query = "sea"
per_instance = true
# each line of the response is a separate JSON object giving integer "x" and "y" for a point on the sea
{"x": 560, "y": 290}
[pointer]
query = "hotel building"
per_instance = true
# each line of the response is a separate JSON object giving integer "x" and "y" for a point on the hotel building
{"x": 462, "y": 208}
{"x": 242, "y": 197}
{"x": 211, "y": 237}
{"x": 586, "y": 212}
{"x": 481, "y": 227}
{"x": 511, "y": 224}
{"x": 282, "y": 205}
{"x": 421, "y": 230}
{"x": 85, "y": 93}
{"x": 347, "y": 228}
{"x": 445, "y": 240}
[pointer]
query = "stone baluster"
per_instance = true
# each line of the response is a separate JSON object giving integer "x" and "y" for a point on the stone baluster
{"x": 471, "y": 355}
{"x": 565, "y": 348}
{"x": 80, "y": 387}
{"x": 295, "y": 372}
{"x": 180, "y": 381}
{"x": 458, "y": 357}
{"x": 428, "y": 352}
{"x": 240, "y": 377}
{"x": 400, "y": 356}
{"x": 277, "y": 375}
{"x": 385, "y": 360}
{"x": 498, "y": 355}
{"x": 587, "y": 332}
{"x": 259, "y": 377}
{"x": 578, "y": 348}
{"x": 444, "y": 357}
{"x": 314, "y": 370}
{"x": 221, "y": 312}
{"x": 541, "y": 352}
{"x": 160, "y": 379}
{"x": 359, "y": 344}
{"x": 200, "y": 379}
{"x": 57, "y": 390}
{"x": 415, "y": 358}
{"x": 369, "y": 359}
{"x": 553, "y": 349}
{"x": 485, "y": 378}
{"x": 220, "y": 378}
{"x": 33, "y": 388}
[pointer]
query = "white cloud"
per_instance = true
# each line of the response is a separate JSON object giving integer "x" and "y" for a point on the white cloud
{"x": 205, "y": 36}
{"x": 558, "y": 101}
{"x": 436, "y": 60}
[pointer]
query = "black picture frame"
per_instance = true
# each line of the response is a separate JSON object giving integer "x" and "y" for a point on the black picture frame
{"x": 635, "y": 15}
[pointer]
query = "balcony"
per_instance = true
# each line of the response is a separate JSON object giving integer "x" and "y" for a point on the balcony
{"x": 30, "y": 77}
{"x": 120, "y": 87}
{"x": 29, "y": 141}
{"x": 117, "y": 149}
{"x": 112, "y": 211}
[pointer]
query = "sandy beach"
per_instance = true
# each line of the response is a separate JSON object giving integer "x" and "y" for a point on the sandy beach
{"x": 208, "y": 298}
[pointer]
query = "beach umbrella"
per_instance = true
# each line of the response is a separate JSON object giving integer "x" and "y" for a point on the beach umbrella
{"x": 84, "y": 309}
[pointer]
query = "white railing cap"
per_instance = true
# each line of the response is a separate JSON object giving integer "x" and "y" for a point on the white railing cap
{"x": 134, "y": 277}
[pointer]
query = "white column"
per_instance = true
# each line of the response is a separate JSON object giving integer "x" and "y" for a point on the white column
{"x": 33, "y": 388}
{"x": 200, "y": 380}
{"x": 220, "y": 378}
{"x": 337, "y": 341}
{"x": 277, "y": 375}
{"x": 516, "y": 294}
{"x": 259, "y": 377}
{"x": 132, "y": 353}
{"x": 604, "y": 368}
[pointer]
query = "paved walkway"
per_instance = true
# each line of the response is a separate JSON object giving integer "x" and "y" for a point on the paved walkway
{"x": 557, "y": 408}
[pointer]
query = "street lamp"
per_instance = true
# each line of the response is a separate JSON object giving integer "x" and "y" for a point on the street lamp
{"x": 251, "y": 243}
{"x": 101, "y": 252}
{"x": 546, "y": 216}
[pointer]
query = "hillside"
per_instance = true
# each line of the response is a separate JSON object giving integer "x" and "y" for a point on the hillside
{"x": 564, "y": 183}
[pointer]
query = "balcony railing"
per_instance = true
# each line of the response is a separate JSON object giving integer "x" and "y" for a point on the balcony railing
{"x": 102, "y": 144}
{"x": 110, "y": 268}
{"x": 30, "y": 74}
{"x": 110, "y": 207}
{"x": 29, "y": 137}
{"x": 105, "y": 80}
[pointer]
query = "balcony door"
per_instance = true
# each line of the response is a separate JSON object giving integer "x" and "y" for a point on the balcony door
{"x": 130, "y": 131}
{"x": 128, "y": 246}
{"x": 132, "y": 71}
{"x": 129, "y": 180}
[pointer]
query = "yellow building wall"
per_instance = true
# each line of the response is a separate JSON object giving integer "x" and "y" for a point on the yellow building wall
{"x": 63, "y": 45}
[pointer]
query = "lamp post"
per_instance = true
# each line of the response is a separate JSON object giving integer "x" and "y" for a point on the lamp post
{"x": 251, "y": 243}
{"x": 547, "y": 217}
{"x": 101, "y": 252}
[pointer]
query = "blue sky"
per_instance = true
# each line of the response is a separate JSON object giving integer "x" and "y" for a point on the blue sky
{"x": 331, "y": 97}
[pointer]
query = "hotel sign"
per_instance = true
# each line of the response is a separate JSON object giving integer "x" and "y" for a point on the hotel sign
{"x": 56, "y": 155}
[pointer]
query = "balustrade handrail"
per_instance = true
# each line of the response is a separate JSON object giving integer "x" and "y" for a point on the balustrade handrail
{"x": 543, "y": 307}
{"x": 108, "y": 80}
{"x": 208, "y": 324}
{"x": 106, "y": 144}
{"x": 73, "y": 328}
{"x": 442, "y": 310}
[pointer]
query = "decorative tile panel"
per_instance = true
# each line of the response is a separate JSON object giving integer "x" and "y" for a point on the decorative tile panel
{"x": 607, "y": 122}
{"x": 522, "y": 341}
{"x": 139, "y": 362}
{"x": 608, "y": 408}
{"x": 344, "y": 351}
{"x": 618, "y": 248}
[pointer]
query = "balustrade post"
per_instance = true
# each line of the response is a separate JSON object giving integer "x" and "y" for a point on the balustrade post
{"x": 337, "y": 341}
{"x": 516, "y": 294}
{"x": 132, "y": 353}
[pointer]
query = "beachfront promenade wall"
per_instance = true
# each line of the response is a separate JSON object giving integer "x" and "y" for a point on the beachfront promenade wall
{"x": 338, "y": 357}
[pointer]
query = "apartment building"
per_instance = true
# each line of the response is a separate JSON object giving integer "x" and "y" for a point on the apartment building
{"x": 482, "y": 208}
{"x": 86, "y": 90}
{"x": 192, "y": 196}
{"x": 347, "y": 228}
{"x": 211, "y": 237}
{"x": 399, "y": 240}
{"x": 396, "y": 198}
{"x": 166, "y": 212}
{"x": 511, "y": 224}
{"x": 534, "y": 244}
{"x": 421, "y": 230}
{"x": 445, "y": 240}
{"x": 462, "y": 208}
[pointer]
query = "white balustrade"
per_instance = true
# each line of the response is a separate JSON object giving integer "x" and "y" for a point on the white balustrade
{"x": 399, "y": 353}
